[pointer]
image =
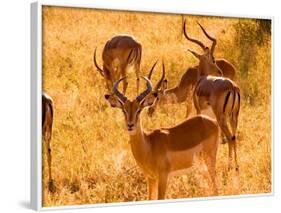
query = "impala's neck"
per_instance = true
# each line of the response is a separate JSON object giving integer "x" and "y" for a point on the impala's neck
{"x": 175, "y": 95}
{"x": 170, "y": 96}
{"x": 140, "y": 146}
{"x": 203, "y": 70}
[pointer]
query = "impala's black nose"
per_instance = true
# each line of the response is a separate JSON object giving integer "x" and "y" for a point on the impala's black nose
{"x": 130, "y": 126}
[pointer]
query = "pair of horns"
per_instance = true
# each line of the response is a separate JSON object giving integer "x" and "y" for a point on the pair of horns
{"x": 139, "y": 98}
{"x": 148, "y": 89}
{"x": 199, "y": 42}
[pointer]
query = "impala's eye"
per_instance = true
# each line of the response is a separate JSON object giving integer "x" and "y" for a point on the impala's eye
{"x": 138, "y": 111}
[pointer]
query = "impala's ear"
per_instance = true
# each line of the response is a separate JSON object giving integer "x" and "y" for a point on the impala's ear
{"x": 195, "y": 54}
{"x": 113, "y": 101}
{"x": 149, "y": 100}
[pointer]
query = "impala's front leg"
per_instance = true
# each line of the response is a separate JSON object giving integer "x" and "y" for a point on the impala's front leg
{"x": 152, "y": 189}
{"x": 125, "y": 82}
{"x": 162, "y": 185}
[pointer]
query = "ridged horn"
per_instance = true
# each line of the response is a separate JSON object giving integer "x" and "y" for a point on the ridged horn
{"x": 148, "y": 89}
{"x": 122, "y": 97}
{"x": 192, "y": 39}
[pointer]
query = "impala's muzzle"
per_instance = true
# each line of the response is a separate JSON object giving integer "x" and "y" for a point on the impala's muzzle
{"x": 130, "y": 127}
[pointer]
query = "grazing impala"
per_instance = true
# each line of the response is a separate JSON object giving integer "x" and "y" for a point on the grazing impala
{"x": 222, "y": 94}
{"x": 184, "y": 90}
{"x": 119, "y": 53}
{"x": 47, "y": 124}
{"x": 165, "y": 152}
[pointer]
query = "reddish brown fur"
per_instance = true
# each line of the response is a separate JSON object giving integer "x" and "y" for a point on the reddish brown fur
{"x": 165, "y": 151}
{"x": 219, "y": 93}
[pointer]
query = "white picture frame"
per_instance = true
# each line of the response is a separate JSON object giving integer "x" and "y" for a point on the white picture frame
{"x": 36, "y": 103}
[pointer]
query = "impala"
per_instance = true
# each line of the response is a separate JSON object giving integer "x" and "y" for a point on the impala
{"x": 178, "y": 94}
{"x": 164, "y": 152}
{"x": 222, "y": 95}
{"x": 227, "y": 69}
{"x": 47, "y": 124}
{"x": 183, "y": 91}
{"x": 119, "y": 54}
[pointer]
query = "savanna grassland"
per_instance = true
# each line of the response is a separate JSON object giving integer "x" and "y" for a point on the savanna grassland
{"x": 92, "y": 160}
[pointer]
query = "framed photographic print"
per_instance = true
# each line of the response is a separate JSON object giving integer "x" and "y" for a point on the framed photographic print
{"x": 135, "y": 106}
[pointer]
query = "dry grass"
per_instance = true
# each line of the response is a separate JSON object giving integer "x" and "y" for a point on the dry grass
{"x": 92, "y": 160}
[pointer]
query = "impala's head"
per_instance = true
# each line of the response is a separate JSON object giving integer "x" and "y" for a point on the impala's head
{"x": 207, "y": 57}
{"x": 132, "y": 109}
{"x": 207, "y": 65}
{"x": 160, "y": 89}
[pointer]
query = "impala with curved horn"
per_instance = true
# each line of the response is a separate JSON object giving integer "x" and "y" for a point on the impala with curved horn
{"x": 227, "y": 69}
{"x": 222, "y": 94}
{"x": 119, "y": 53}
{"x": 165, "y": 152}
{"x": 184, "y": 90}
{"x": 47, "y": 125}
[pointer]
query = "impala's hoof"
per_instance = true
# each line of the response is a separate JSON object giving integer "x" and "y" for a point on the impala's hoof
{"x": 51, "y": 186}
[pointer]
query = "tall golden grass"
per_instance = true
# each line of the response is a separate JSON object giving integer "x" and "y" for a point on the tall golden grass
{"x": 92, "y": 160}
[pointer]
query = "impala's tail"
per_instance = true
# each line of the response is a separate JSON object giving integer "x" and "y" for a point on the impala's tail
{"x": 235, "y": 110}
{"x": 231, "y": 108}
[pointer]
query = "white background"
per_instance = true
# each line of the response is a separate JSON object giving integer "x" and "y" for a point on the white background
{"x": 15, "y": 103}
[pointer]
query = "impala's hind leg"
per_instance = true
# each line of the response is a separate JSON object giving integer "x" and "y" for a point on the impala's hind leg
{"x": 51, "y": 184}
{"x": 210, "y": 148}
{"x": 233, "y": 123}
{"x": 233, "y": 141}
{"x": 235, "y": 155}
{"x": 162, "y": 185}
{"x": 230, "y": 138}
{"x": 230, "y": 156}
{"x": 210, "y": 161}
{"x": 213, "y": 175}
